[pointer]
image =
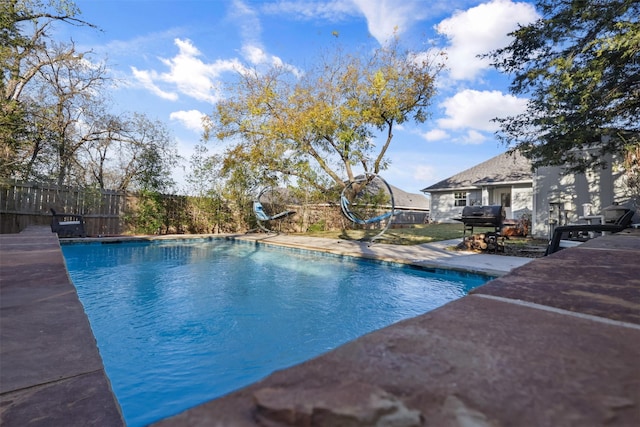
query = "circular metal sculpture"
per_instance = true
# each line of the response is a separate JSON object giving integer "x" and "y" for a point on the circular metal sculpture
{"x": 262, "y": 216}
{"x": 368, "y": 199}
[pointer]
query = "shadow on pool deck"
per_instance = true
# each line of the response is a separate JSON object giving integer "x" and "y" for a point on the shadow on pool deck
{"x": 554, "y": 342}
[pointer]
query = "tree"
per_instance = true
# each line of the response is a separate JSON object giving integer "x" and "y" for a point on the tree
{"x": 320, "y": 127}
{"x": 128, "y": 152}
{"x": 580, "y": 64}
{"x": 24, "y": 52}
{"x": 210, "y": 208}
{"x": 153, "y": 154}
{"x": 57, "y": 124}
{"x": 62, "y": 99}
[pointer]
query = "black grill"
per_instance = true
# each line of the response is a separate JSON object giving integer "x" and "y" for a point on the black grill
{"x": 482, "y": 216}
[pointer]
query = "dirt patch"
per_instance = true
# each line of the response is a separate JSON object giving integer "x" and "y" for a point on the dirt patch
{"x": 526, "y": 251}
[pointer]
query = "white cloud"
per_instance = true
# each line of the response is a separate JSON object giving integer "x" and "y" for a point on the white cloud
{"x": 473, "y": 137}
{"x": 386, "y": 17}
{"x": 257, "y": 56}
{"x": 254, "y": 54}
{"x": 333, "y": 10}
{"x": 194, "y": 77}
{"x": 146, "y": 78}
{"x": 191, "y": 119}
{"x": 424, "y": 173}
{"x": 480, "y": 30}
{"x": 248, "y": 20}
{"x": 475, "y": 109}
{"x": 187, "y": 74}
{"x": 435, "y": 135}
{"x": 137, "y": 46}
{"x": 250, "y": 32}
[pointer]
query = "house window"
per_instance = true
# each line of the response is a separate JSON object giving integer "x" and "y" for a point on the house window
{"x": 460, "y": 199}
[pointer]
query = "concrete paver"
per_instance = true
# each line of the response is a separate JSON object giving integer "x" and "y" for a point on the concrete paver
{"x": 587, "y": 280}
{"x": 83, "y": 400}
{"x": 51, "y": 373}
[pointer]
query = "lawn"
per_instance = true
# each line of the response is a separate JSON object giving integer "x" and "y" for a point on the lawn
{"x": 427, "y": 233}
{"x": 415, "y": 235}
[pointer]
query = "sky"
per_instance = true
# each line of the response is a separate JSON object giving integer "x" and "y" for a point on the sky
{"x": 170, "y": 58}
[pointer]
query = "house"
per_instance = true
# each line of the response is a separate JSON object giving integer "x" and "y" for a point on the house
{"x": 504, "y": 180}
{"x": 411, "y": 208}
{"x": 550, "y": 195}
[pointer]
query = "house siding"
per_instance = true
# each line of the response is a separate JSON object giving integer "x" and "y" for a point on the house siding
{"x": 443, "y": 209}
{"x": 559, "y": 199}
{"x": 521, "y": 200}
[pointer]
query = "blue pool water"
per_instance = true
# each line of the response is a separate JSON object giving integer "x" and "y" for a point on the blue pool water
{"x": 179, "y": 323}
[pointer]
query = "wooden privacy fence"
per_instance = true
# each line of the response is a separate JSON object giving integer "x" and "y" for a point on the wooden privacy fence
{"x": 23, "y": 204}
{"x": 109, "y": 212}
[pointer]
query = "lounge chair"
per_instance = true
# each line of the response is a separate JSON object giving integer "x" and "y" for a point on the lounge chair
{"x": 572, "y": 235}
{"x": 261, "y": 216}
{"x": 344, "y": 204}
{"x": 67, "y": 225}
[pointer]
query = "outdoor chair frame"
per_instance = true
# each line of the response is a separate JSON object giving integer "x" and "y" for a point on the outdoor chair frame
{"x": 67, "y": 225}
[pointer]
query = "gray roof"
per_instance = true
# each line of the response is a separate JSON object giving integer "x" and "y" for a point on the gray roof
{"x": 409, "y": 201}
{"x": 506, "y": 168}
{"x": 402, "y": 199}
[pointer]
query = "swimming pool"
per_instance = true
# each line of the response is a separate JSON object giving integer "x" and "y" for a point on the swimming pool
{"x": 181, "y": 322}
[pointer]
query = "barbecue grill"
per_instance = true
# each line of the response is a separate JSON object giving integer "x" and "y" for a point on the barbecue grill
{"x": 482, "y": 216}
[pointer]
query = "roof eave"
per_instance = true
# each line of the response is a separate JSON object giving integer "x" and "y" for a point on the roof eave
{"x": 501, "y": 183}
{"x": 477, "y": 186}
{"x": 436, "y": 190}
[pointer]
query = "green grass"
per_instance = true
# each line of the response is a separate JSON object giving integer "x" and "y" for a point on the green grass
{"x": 415, "y": 235}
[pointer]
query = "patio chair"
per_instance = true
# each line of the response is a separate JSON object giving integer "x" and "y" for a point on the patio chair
{"x": 568, "y": 236}
{"x": 67, "y": 225}
{"x": 262, "y": 216}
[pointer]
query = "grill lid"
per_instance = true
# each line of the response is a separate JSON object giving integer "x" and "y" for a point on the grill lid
{"x": 490, "y": 211}
{"x": 487, "y": 216}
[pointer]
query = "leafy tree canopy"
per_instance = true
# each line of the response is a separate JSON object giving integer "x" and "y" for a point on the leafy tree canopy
{"x": 580, "y": 64}
{"x": 54, "y": 124}
{"x": 320, "y": 126}
{"x": 25, "y": 53}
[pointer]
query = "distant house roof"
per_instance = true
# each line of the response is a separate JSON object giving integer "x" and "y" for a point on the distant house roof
{"x": 403, "y": 200}
{"x": 506, "y": 168}
{"x": 409, "y": 201}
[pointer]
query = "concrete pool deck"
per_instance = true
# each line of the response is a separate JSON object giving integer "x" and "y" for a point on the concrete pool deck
{"x": 554, "y": 342}
{"x": 429, "y": 255}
